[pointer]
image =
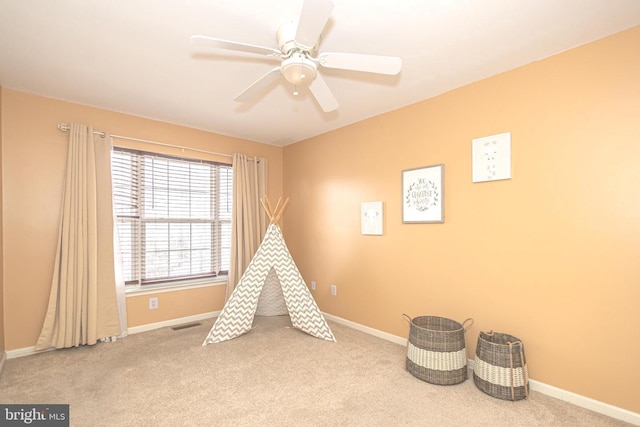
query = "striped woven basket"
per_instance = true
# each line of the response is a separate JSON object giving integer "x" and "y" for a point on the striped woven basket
{"x": 500, "y": 367}
{"x": 436, "y": 351}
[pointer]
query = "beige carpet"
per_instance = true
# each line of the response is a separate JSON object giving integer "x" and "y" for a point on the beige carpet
{"x": 273, "y": 376}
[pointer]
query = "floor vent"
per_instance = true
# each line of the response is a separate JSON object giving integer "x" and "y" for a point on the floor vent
{"x": 188, "y": 325}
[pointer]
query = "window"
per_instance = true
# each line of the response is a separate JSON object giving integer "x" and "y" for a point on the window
{"x": 173, "y": 217}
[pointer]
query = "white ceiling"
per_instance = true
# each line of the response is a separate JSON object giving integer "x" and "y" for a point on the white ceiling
{"x": 136, "y": 57}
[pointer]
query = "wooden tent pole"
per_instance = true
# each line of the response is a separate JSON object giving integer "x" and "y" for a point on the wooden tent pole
{"x": 275, "y": 211}
{"x": 266, "y": 208}
{"x": 272, "y": 213}
{"x": 277, "y": 218}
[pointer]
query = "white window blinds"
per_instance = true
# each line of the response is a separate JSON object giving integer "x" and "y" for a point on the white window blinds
{"x": 174, "y": 216}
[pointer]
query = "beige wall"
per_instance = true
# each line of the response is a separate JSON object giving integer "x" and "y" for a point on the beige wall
{"x": 550, "y": 256}
{"x": 174, "y": 305}
{"x": 2, "y": 344}
{"x": 33, "y": 163}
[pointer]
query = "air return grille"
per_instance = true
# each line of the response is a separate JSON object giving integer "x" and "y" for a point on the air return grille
{"x": 185, "y": 326}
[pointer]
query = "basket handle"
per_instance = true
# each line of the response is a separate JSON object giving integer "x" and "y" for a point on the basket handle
{"x": 525, "y": 372}
{"x": 465, "y": 326}
{"x": 407, "y": 317}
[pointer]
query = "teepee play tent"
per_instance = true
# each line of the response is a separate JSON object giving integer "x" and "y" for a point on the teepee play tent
{"x": 272, "y": 263}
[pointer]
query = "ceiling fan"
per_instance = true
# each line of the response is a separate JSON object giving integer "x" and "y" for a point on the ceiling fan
{"x": 297, "y": 47}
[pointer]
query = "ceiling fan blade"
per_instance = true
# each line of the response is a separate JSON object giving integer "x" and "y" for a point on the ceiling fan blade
{"x": 313, "y": 18}
{"x": 231, "y": 45}
{"x": 258, "y": 86}
{"x": 323, "y": 94}
{"x": 368, "y": 63}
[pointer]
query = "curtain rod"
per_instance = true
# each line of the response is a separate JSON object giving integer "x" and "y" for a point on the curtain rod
{"x": 64, "y": 127}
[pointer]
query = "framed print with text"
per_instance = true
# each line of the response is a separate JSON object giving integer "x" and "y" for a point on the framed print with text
{"x": 423, "y": 194}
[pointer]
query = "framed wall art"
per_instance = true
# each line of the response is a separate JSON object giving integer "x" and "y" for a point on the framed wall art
{"x": 371, "y": 218}
{"x": 423, "y": 194}
{"x": 491, "y": 158}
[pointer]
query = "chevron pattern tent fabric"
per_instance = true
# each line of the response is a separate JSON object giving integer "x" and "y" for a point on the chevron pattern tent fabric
{"x": 237, "y": 315}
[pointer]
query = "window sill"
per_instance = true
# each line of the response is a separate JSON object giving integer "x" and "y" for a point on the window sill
{"x": 178, "y": 286}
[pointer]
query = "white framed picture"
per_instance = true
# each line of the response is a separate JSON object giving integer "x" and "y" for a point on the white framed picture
{"x": 491, "y": 158}
{"x": 423, "y": 194}
{"x": 371, "y": 218}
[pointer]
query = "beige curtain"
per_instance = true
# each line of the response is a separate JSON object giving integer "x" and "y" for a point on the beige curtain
{"x": 121, "y": 296}
{"x": 249, "y": 221}
{"x": 82, "y": 303}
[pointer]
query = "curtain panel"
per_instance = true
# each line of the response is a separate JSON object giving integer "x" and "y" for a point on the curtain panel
{"x": 249, "y": 220}
{"x": 82, "y": 304}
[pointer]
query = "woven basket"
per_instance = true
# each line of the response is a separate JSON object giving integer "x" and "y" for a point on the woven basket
{"x": 436, "y": 351}
{"x": 500, "y": 368}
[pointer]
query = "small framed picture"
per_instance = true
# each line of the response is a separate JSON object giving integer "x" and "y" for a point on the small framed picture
{"x": 423, "y": 194}
{"x": 371, "y": 218}
{"x": 491, "y": 158}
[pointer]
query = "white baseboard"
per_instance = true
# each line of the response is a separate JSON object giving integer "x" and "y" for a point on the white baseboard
{"x": 560, "y": 394}
{"x": 371, "y": 331}
{"x": 25, "y": 351}
{"x": 172, "y": 322}
{"x": 28, "y": 351}
{"x": 586, "y": 402}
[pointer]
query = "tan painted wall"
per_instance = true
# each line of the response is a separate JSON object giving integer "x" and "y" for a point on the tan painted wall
{"x": 34, "y": 156}
{"x": 2, "y": 344}
{"x": 174, "y": 305}
{"x": 550, "y": 256}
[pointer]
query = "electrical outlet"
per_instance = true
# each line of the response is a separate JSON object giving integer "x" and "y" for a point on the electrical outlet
{"x": 334, "y": 290}
{"x": 153, "y": 303}
{"x": 313, "y": 285}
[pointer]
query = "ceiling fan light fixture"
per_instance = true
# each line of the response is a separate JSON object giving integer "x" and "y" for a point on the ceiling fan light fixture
{"x": 299, "y": 70}
{"x": 298, "y": 52}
